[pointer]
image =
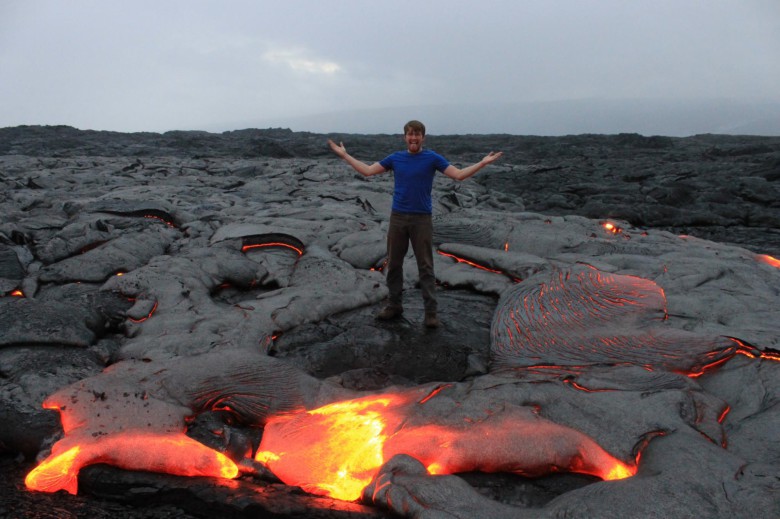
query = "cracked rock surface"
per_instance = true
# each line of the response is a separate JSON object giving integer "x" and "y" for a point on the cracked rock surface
{"x": 158, "y": 260}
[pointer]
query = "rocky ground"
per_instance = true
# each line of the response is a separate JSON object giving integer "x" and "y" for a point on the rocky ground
{"x": 718, "y": 187}
{"x": 173, "y": 212}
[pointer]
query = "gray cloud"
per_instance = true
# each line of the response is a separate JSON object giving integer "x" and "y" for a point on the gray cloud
{"x": 198, "y": 64}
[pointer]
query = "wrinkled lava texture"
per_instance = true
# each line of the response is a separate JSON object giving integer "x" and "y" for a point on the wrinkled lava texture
{"x": 609, "y": 347}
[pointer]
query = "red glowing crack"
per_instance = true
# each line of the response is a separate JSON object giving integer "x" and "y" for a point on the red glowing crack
{"x": 277, "y": 244}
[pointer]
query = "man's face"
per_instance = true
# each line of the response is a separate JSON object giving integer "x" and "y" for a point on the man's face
{"x": 414, "y": 140}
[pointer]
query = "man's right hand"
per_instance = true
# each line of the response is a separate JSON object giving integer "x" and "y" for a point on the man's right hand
{"x": 338, "y": 149}
{"x": 359, "y": 166}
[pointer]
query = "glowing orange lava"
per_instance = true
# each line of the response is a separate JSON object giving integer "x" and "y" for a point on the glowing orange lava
{"x": 752, "y": 353}
{"x": 55, "y": 473}
{"x": 769, "y": 260}
{"x": 619, "y": 471}
{"x": 766, "y": 355}
{"x": 345, "y": 441}
{"x": 611, "y": 227}
{"x": 337, "y": 449}
{"x": 168, "y": 453}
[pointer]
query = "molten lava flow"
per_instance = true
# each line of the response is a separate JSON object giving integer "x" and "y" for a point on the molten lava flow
{"x": 619, "y": 471}
{"x": 333, "y": 450}
{"x": 55, "y": 473}
{"x": 337, "y": 449}
{"x": 168, "y": 453}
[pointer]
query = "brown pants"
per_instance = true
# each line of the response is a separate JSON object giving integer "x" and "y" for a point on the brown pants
{"x": 417, "y": 229}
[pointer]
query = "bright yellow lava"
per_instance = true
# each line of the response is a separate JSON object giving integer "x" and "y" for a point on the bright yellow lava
{"x": 50, "y": 475}
{"x": 769, "y": 260}
{"x": 620, "y": 471}
{"x": 337, "y": 448}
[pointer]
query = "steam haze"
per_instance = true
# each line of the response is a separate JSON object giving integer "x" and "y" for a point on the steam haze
{"x": 663, "y": 67}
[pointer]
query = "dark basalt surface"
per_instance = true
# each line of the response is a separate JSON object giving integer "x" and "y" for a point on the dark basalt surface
{"x": 718, "y": 187}
{"x": 171, "y": 212}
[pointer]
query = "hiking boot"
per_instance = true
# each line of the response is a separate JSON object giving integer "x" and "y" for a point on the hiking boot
{"x": 391, "y": 311}
{"x": 431, "y": 321}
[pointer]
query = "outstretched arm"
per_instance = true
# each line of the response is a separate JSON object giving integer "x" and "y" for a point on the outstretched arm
{"x": 359, "y": 166}
{"x": 463, "y": 174}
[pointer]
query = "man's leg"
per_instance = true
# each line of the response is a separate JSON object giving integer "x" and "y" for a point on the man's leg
{"x": 397, "y": 247}
{"x": 421, "y": 234}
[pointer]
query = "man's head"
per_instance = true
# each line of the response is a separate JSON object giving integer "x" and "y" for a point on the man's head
{"x": 414, "y": 135}
{"x": 414, "y": 126}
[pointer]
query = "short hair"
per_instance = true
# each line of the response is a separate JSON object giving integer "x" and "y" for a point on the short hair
{"x": 414, "y": 126}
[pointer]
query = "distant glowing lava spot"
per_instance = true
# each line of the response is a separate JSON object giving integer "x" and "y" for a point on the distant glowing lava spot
{"x": 612, "y": 228}
{"x": 769, "y": 260}
{"x": 167, "y": 222}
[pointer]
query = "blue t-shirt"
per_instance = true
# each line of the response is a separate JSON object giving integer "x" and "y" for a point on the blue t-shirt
{"x": 414, "y": 174}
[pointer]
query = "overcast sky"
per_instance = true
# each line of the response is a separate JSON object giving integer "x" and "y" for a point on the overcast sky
{"x": 218, "y": 65}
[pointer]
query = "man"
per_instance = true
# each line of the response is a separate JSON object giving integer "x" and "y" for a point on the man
{"x": 411, "y": 216}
